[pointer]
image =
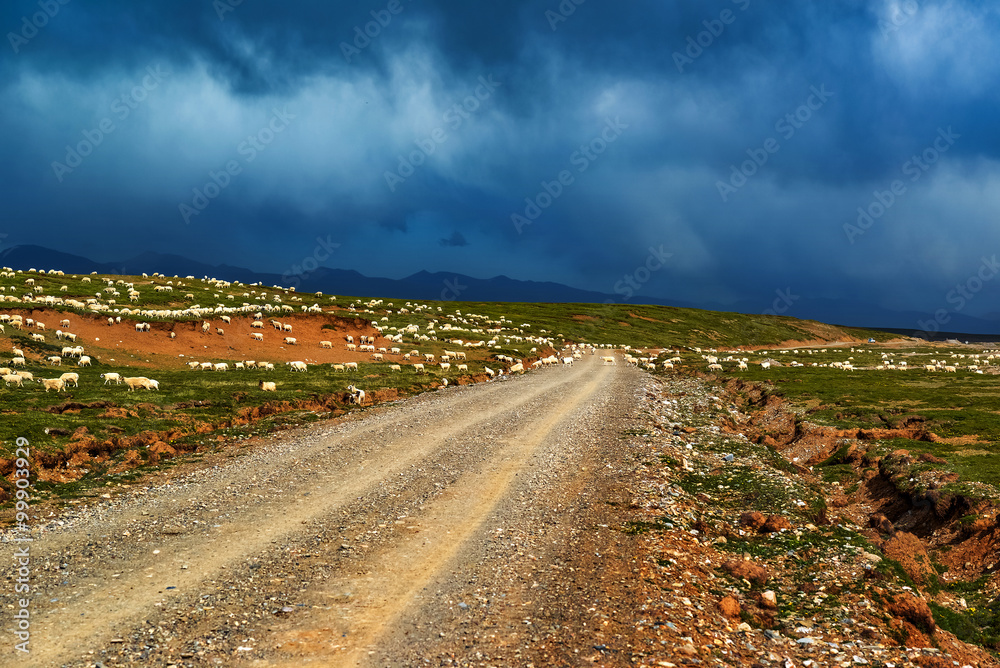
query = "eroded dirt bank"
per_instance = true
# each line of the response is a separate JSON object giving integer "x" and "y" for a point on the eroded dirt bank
{"x": 896, "y": 492}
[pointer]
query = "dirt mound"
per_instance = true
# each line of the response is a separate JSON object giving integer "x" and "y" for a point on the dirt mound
{"x": 910, "y": 553}
{"x": 76, "y": 407}
{"x": 914, "y": 610}
{"x": 747, "y": 570}
{"x": 381, "y": 396}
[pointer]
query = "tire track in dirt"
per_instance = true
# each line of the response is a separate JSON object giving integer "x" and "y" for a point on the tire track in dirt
{"x": 408, "y": 568}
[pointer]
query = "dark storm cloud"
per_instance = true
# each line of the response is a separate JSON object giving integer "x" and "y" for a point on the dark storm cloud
{"x": 457, "y": 239}
{"x": 745, "y": 137}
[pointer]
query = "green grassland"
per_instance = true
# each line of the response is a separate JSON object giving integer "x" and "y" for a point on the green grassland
{"x": 646, "y": 326}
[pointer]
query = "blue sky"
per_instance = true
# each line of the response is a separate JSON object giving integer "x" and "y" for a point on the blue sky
{"x": 842, "y": 150}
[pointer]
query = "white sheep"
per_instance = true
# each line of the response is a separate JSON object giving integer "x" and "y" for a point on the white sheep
{"x": 608, "y": 360}
{"x": 351, "y": 366}
{"x": 71, "y": 377}
{"x": 419, "y": 368}
{"x": 395, "y": 367}
{"x": 18, "y": 361}
{"x": 256, "y": 336}
{"x": 297, "y": 365}
{"x": 134, "y": 382}
{"x": 221, "y": 366}
{"x": 111, "y": 376}
{"x": 290, "y": 340}
{"x": 140, "y": 381}
{"x": 83, "y": 361}
{"x": 326, "y": 344}
{"x": 56, "y": 384}
{"x": 338, "y": 367}
{"x": 54, "y": 360}
{"x": 357, "y": 396}
{"x": 489, "y": 372}
{"x": 267, "y": 386}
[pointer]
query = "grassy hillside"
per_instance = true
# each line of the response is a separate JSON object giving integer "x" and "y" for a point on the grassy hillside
{"x": 648, "y": 326}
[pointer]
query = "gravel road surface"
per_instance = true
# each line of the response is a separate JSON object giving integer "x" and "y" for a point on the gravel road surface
{"x": 414, "y": 534}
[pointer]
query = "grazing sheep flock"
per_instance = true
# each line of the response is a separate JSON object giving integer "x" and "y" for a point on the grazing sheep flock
{"x": 260, "y": 302}
{"x": 437, "y": 345}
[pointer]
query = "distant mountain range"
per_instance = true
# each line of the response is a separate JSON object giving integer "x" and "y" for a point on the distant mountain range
{"x": 458, "y": 287}
{"x": 421, "y": 285}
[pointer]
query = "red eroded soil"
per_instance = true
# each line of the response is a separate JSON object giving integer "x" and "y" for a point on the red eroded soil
{"x": 121, "y": 343}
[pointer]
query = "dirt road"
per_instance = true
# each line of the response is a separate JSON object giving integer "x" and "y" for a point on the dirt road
{"x": 411, "y": 532}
